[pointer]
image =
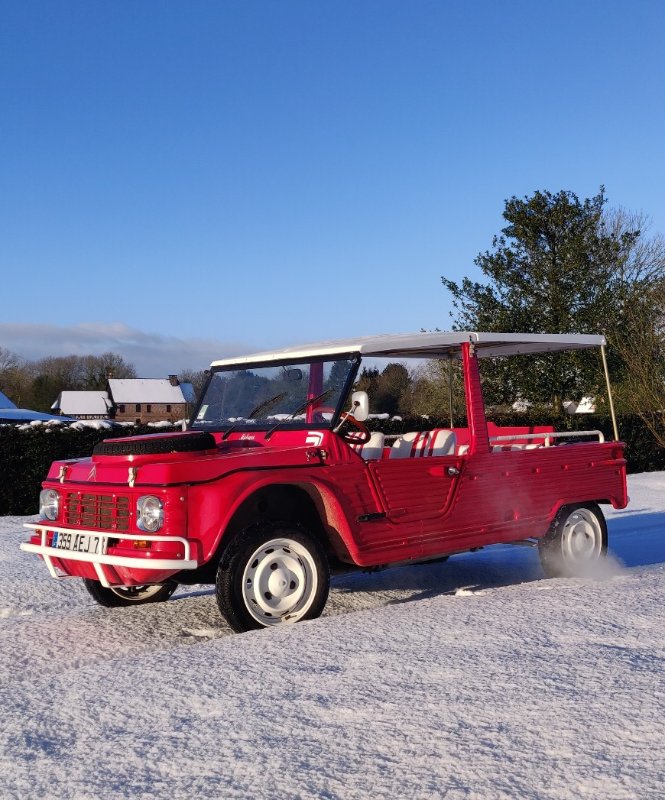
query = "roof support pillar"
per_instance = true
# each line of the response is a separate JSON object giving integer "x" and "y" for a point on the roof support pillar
{"x": 475, "y": 407}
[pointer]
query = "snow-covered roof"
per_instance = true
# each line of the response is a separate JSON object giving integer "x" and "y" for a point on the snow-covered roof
{"x": 145, "y": 390}
{"x": 587, "y": 405}
{"x": 5, "y": 402}
{"x": 17, "y": 415}
{"x": 83, "y": 403}
{"x": 441, "y": 344}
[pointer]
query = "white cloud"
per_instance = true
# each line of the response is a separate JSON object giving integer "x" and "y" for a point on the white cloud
{"x": 154, "y": 355}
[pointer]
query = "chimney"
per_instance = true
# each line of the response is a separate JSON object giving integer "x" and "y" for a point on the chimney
{"x": 173, "y": 380}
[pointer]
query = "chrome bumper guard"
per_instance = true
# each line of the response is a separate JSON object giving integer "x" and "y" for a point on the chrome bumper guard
{"x": 98, "y": 560}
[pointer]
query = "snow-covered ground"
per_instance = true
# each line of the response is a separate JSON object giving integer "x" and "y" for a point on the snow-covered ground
{"x": 476, "y": 678}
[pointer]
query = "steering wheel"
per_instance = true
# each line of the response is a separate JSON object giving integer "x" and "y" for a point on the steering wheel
{"x": 361, "y": 435}
{"x": 319, "y": 411}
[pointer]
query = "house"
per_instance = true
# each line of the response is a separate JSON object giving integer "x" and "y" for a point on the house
{"x": 587, "y": 405}
{"x": 135, "y": 400}
{"x": 84, "y": 405}
{"x": 142, "y": 400}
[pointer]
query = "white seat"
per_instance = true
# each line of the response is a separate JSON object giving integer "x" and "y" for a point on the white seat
{"x": 373, "y": 449}
{"x": 417, "y": 444}
{"x": 443, "y": 442}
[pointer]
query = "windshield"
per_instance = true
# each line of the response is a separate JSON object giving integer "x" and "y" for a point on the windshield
{"x": 260, "y": 397}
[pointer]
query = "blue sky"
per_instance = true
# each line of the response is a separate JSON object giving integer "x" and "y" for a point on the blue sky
{"x": 182, "y": 181}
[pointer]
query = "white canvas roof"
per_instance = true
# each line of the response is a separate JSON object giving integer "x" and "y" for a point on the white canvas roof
{"x": 84, "y": 403}
{"x": 145, "y": 390}
{"x": 442, "y": 344}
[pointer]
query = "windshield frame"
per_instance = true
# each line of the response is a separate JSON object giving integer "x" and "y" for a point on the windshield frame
{"x": 286, "y": 424}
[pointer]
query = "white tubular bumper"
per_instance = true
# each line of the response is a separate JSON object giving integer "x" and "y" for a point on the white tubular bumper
{"x": 99, "y": 559}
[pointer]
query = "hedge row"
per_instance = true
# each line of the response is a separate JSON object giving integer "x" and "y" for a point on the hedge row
{"x": 27, "y": 454}
{"x": 643, "y": 452}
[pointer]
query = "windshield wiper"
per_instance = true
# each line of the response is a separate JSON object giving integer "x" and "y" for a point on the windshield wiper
{"x": 256, "y": 410}
{"x": 300, "y": 409}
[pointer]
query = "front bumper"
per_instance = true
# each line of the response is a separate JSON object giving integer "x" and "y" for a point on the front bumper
{"x": 53, "y": 557}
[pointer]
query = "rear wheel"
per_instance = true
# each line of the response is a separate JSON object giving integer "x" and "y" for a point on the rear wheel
{"x": 114, "y": 596}
{"x": 273, "y": 574}
{"x": 575, "y": 543}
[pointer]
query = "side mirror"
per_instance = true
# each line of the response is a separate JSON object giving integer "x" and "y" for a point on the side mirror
{"x": 360, "y": 406}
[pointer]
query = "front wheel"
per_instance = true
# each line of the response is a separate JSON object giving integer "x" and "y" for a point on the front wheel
{"x": 114, "y": 596}
{"x": 273, "y": 574}
{"x": 575, "y": 543}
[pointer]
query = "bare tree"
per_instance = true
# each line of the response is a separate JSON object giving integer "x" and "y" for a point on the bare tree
{"x": 644, "y": 258}
{"x": 8, "y": 360}
{"x": 642, "y": 350}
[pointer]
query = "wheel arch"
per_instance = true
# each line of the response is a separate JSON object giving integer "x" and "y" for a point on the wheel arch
{"x": 561, "y": 556}
{"x": 562, "y": 506}
{"x": 311, "y": 505}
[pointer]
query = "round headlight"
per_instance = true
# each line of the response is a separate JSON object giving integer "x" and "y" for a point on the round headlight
{"x": 149, "y": 513}
{"x": 49, "y": 504}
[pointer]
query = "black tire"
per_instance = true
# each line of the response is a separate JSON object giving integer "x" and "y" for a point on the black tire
{"x": 575, "y": 543}
{"x": 272, "y": 574}
{"x": 129, "y": 595}
{"x": 154, "y": 444}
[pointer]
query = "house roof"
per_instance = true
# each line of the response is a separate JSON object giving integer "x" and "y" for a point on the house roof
{"x": 441, "y": 344}
{"x": 83, "y": 403}
{"x": 145, "y": 390}
{"x": 10, "y": 414}
{"x": 15, "y": 416}
{"x": 5, "y": 402}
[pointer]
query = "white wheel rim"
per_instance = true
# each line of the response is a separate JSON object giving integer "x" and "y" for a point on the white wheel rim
{"x": 279, "y": 582}
{"x": 137, "y": 594}
{"x": 582, "y": 537}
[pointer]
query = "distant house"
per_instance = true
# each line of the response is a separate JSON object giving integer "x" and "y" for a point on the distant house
{"x": 83, "y": 405}
{"x": 587, "y": 405}
{"x": 150, "y": 399}
{"x": 136, "y": 400}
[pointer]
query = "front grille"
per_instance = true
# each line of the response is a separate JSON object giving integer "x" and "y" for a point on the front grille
{"x": 102, "y": 511}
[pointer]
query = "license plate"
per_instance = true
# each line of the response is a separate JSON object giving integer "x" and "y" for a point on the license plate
{"x": 79, "y": 542}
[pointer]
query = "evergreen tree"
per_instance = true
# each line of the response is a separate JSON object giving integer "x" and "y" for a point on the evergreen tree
{"x": 392, "y": 392}
{"x": 557, "y": 267}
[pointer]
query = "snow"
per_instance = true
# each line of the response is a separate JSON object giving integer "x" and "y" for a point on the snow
{"x": 95, "y": 424}
{"x": 145, "y": 390}
{"x": 474, "y": 679}
{"x": 80, "y": 403}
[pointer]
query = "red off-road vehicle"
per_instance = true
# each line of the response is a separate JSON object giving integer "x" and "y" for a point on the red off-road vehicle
{"x": 277, "y": 479}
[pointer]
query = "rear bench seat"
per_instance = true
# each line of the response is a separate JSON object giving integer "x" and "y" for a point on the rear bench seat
{"x": 500, "y": 448}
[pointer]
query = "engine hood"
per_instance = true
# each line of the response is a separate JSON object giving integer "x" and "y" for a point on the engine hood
{"x": 124, "y": 462}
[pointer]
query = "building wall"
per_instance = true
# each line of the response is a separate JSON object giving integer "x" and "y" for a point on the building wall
{"x": 150, "y": 412}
